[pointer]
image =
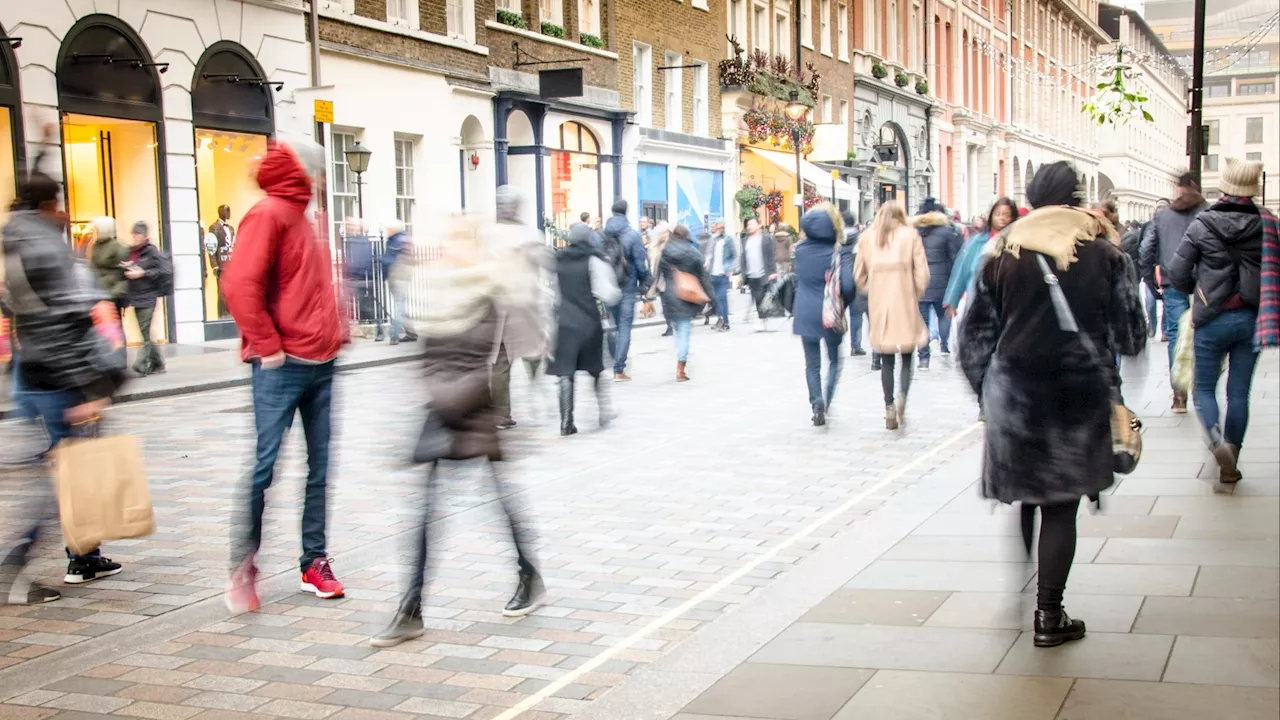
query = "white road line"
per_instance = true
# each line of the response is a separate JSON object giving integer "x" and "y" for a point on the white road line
{"x": 595, "y": 662}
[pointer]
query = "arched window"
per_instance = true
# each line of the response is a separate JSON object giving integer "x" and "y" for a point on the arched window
{"x": 575, "y": 174}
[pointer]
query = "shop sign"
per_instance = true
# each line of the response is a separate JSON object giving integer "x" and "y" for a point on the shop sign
{"x": 324, "y": 111}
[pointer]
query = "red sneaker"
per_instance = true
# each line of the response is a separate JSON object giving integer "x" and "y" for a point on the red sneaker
{"x": 242, "y": 590}
{"x": 319, "y": 579}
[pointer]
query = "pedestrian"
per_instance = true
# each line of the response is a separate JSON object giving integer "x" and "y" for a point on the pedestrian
{"x": 584, "y": 279}
{"x": 1108, "y": 210}
{"x": 358, "y": 273}
{"x": 680, "y": 256}
{"x": 1131, "y": 243}
{"x": 824, "y": 242}
{"x": 784, "y": 241}
{"x": 460, "y": 329}
{"x": 1220, "y": 259}
{"x": 891, "y": 267}
{"x": 659, "y": 234}
{"x": 759, "y": 265}
{"x": 1160, "y": 242}
{"x": 858, "y": 305}
{"x": 1048, "y": 390}
{"x": 397, "y": 258}
{"x": 523, "y": 260}
{"x": 942, "y": 245}
{"x": 109, "y": 257}
{"x": 721, "y": 264}
{"x": 65, "y": 371}
{"x": 279, "y": 289}
{"x": 965, "y": 271}
{"x": 633, "y": 279}
{"x": 149, "y": 273}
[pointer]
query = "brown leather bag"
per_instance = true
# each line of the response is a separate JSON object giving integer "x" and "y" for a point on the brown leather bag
{"x": 689, "y": 288}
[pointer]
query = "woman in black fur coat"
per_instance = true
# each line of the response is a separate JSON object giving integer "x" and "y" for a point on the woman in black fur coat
{"x": 1047, "y": 396}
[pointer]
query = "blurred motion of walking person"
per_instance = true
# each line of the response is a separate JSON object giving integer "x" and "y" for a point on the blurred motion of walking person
{"x": 279, "y": 289}
{"x": 397, "y": 258}
{"x": 942, "y": 242}
{"x": 681, "y": 271}
{"x": 522, "y": 259}
{"x": 460, "y": 328}
{"x": 784, "y": 243}
{"x": 824, "y": 235}
{"x": 759, "y": 264}
{"x": 721, "y": 261}
{"x": 358, "y": 273}
{"x": 858, "y": 305}
{"x": 892, "y": 270}
{"x": 583, "y": 278}
{"x": 625, "y": 254}
{"x": 965, "y": 271}
{"x": 109, "y": 257}
{"x": 658, "y": 236}
{"x": 1047, "y": 388}
{"x": 149, "y": 274}
{"x": 1219, "y": 264}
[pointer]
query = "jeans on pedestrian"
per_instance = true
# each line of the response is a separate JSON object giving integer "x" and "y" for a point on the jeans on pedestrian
{"x": 293, "y": 388}
{"x": 1229, "y": 336}
{"x": 855, "y": 329}
{"x": 396, "y": 300}
{"x": 720, "y": 284}
{"x": 944, "y": 326}
{"x": 1153, "y": 316}
{"x": 148, "y": 357}
{"x": 624, "y": 316}
{"x": 683, "y": 328}
{"x": 1175, "y": 303}
{"x": 813, "y": 367}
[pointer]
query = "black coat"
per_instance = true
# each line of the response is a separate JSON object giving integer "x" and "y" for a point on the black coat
{"x": 683, "y": 256}
{"x": 1048, "y": 399}
{"x": 579, "y": 334}
{"x": 144, "y": 291}
{"x": 942, "y": 245}
{"x": 1203, "y": 265}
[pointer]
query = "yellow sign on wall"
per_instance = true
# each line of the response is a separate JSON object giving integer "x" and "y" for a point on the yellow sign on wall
{"x": 324, "y": 111}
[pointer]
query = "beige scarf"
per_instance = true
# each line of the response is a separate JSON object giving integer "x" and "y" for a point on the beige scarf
{"x": 1055, "y": 231}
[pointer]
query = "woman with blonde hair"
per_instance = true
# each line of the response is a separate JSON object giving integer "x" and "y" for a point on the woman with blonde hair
{"x": 892, "y": 269}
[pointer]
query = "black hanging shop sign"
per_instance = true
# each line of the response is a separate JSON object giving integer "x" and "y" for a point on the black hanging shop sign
{"x": 553, "y": 83}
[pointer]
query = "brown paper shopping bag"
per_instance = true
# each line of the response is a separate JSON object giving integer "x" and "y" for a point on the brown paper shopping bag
{"x": 102, "y": 491}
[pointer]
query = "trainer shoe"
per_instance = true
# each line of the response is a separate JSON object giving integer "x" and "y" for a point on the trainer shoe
{"x": 22, "y": 592}
{"x": 242, "y": 589}
{"x": 319, "y": 579}
{"x": 87, "y": 568}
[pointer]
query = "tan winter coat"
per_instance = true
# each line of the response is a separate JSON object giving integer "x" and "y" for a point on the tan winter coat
{"x": 894, "y": 277}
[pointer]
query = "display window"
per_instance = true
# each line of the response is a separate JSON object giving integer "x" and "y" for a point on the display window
{"x": 111, "y": 171}
{"x": 575, "y": 175}
{"x": 8, "y": 174}
{"x": 225, "y": 167}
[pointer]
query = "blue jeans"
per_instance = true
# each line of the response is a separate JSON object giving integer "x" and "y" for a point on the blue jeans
{"x": 396, "y": 300}
{"x": 1175, "y": 303}
{"x": 683, "y": 327}
{"x": 944, "y": 326}
{"x": 277, "y": 395}
{"x": 855, "y": 329}
{"x": 720, "y": 284}
{"x": 813, "y": 367}
{"x": 624, "y": 316}
{"x": 1230, "y": 336}
{"x": 1153, "y": 316}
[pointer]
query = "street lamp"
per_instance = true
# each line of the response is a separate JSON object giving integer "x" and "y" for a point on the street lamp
{"x": 358, "y": 161}
{"x": 796, "y": 110}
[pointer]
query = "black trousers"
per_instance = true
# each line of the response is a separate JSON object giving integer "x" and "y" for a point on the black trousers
{"x": 886, "y": 375}
{"x": 1057, "y": 549}
{"x": 757, "y": 286}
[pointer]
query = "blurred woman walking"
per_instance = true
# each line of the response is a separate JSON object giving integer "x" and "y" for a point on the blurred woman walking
{"x": 823, "y": 246}
{"x": 892, "y": 268}
{"x": 686, "y": 289}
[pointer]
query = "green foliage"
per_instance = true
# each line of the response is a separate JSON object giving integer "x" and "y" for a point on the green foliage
{"x": 592, "y": 41}
{"x": 551, "y": 29}
{"x": 1115, "y": 102}
{"x": 901, "y": 79}
{"x": 511, "y": 19}
{"x": 922, "y": 87}
{"x": 879, "y": 71}
{"x": 749, "y": 198}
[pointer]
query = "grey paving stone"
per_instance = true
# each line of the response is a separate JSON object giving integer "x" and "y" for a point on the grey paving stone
{"x": 1107, "y": 656}
{"x": 1010, "y": 611}
{"x": 1098, "y": 579}
{"x": 943, "y": 576}
{"x": 87, "y": 686}
{"x": 876, "y": 607}
{"x": 438, "y": 708}
{"x": 1243, "y": 582}
{"x": 1252, "y": 553}
{"x": 214, "y": 652}
{"x": 1253, "y": 524}
{"x": 784, "y": 692}
{"x": 484, "y": 667}
{"x": 362, "y": 699}
{"x": 981, "y": 548}
{"x": 297, "y": 676}
{"x": 1122, "y": 700}
{"x": 899, "y": 648}
{"x": 428, "y": 690}
{"x": 1111, "y": 525}
{"x": 1221, "y": 617}
{"x": 951, "y": 696}
{"x": 1225, "y": 661}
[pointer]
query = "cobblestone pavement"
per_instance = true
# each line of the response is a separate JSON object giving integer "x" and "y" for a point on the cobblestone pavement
{"x": 688, "y": 518}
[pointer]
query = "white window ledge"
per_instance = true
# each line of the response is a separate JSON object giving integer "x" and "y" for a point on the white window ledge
{"x": 495, "y": 25}
{"x": 405, "y": 30}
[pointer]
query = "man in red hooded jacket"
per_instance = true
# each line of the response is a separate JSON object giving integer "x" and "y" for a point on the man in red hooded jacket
{"x": 278, "y": 286}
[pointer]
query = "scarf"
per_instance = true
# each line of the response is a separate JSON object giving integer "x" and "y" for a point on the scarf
{"x": 1055, "y": 231}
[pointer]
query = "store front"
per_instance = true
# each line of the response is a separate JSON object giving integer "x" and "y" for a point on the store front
{"x": 109, "y": 100}
{"x": 12, "y": 155}
{"x": 575, "y": 174}
{"x": 679, "y": 178}
{"x": 232, "y": 114}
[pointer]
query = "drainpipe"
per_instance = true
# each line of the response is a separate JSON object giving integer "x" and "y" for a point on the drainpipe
{"x": 928, "y": 115}
{"x": 314, "y": 22}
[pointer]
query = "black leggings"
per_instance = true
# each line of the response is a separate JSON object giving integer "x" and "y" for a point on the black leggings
{"x": 1057, "y": 549}
{"x": 886, "y": 375}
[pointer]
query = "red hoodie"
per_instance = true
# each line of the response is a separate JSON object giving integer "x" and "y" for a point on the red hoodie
{"x": 279, "y": 283}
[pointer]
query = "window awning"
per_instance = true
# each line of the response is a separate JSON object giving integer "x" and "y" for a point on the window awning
{"x": 817, "y": 177}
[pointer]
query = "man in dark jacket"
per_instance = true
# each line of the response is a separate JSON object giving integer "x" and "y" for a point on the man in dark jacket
{"x": 942, "y": 245}
{"x": 1131, "y": 244}
{"x": 637, "y": 281}
{"x": 148, "y": 273}
{"x": 1160, "y": 242}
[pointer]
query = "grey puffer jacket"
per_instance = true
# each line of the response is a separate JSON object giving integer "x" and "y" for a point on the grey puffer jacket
{"x": 1219, "y": 260}
{"x": 50, "y": 295}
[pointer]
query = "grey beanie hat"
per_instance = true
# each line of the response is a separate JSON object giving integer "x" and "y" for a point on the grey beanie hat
{"x": 579, "y": 233}
{"x": 141, "y": 228}
{"x": 507, "y": 202}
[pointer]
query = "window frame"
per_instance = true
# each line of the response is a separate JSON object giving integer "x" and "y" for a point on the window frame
{"x": 592, "y": 16}
{"x": 759, "y": 11}
{"x": 1253, "y": 157}
{"x": 781, "y": 41}
{"x": 410, "y": 9}
{"x": 341, "y": 176}
{"x": 1249, "y": 138}
{"x": 466, "y": 10}
{"x": 824, "y": 27}
{"x": 1215, "y": 132}
{"x": 1211, "y": 162}
{"x": 642, "y": 82}
{"x": 405, "y": 178}
{"x": 673, "y": 92}
{"x": 701, "y": 96}
{"x": 826, "y": 110}
{"x": 806, "y": 23}
{"x": 556, "y": 12}
{"x": 842, "y": 31}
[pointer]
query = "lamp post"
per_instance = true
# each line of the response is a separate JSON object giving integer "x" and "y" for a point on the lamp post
{"x": 796, "y": 110}
{"x": 358, "y": 161}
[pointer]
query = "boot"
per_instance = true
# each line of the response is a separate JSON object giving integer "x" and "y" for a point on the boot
{"x": 1227, "y": 456}
{"x": 528, "y": 596}
{"x": 1179, "y": 403}
{"x": 890, "y": 417}
{"x": 680, "y": 375}
{"x": 566, "y": 407}
{"x": 902, "y": 410}
{"x": 1055, "y": 627}
{"x": 406, "y": 625}
{"x": 875, "y": 361}
{"x": 607, "y": 415}
{"x": 819, "y": 415}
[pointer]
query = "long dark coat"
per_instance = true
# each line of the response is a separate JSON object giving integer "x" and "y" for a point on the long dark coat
{"x": 680, "y": 254}
{"x": 579, "y": 333}
{"x": 1047, "y": 399}
{"x": 457, "y": 376}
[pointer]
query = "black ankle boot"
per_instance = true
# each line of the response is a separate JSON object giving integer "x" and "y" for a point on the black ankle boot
{"x": 566, "y": 406}
{"x": 1054, "y": 628}
{"x": 405, "y": 626}
{"x": 819, "y": 415}
{"x": 528, "y": 596}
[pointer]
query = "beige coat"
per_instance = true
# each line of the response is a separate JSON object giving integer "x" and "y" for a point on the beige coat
{"x": 894, "y": 277}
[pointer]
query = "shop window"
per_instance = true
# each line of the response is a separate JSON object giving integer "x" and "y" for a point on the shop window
{"x": 8, "y": 176}
{"x": 342, "y": 183}
{"x": 226, "y": 190}
{"x": 575, "y": 174}
{"x": 699, "y": 198}
{"x": 701, "y": 77}
{"x": 404, "y": 182}
{"x": 652, "y": 190}
{"x": 1253, "y": 130}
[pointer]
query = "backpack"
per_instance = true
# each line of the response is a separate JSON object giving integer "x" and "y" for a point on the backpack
{"x": 611, "y": 246}
{"x": 164, "y": 279}
{"x": 1248, "y": 271}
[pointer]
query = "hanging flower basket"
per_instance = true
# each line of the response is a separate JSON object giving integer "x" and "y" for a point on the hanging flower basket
{"x": 773, "y": 203}
{"x": 879, "y": 71}
{"x": 901, "y": 79}
{"x": 811, "y": 197}
{"x": 749, "y": 198}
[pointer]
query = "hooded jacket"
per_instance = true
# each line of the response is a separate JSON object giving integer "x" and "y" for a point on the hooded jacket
{"x": 639, "y": 276}
{"x": 942, "y": 245}
{"x": 1161, "y": 236}
{"x": 1204, "y": 266}
{"x": 821, "y": 226}
{"x": 106, "y": 256}
{"x": 278, "y": 285}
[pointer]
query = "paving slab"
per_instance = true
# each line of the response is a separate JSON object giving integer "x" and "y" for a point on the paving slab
{"x": 953, "y": 696}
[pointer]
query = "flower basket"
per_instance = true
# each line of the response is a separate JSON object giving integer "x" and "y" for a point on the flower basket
{"x": 511, "y": 19}
{"x": 879, "y": 71}
{"x": 922, "y": 87}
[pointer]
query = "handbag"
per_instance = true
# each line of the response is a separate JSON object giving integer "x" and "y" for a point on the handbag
{"x": 1126, "y": 428}
{"x": 689, "y": 287}
{"x": 834, "y": 316}
{"x": 102, "y": 491}
{"x": 1184, "y": 355}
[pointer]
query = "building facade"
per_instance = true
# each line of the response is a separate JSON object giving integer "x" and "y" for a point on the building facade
{"x": 1140, "y": 162}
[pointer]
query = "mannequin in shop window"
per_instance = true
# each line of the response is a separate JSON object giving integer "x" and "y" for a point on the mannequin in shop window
{"x": 218, "y": 243}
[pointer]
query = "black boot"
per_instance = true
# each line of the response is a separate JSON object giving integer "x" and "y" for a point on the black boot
{"x": 529, "y": 595}
{"x": 406, "y": 625}
{"x": 1055, "y": 627}
{"x": 875, "y": 361}
{"x": 566, "y": 406}
{"x": 819, "y": 415}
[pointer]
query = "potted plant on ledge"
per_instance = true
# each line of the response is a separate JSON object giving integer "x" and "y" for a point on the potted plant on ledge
{"x": 901, "y": 79}
{"x": 551, "y": 29}
{"x": 511, "y": 19}
{"x": 591, "y": 41}
{"x": 922, "y": 87}
{"x": 879, "y": 71}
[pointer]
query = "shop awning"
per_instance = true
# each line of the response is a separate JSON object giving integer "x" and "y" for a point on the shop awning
{"x": 817, "y": 177}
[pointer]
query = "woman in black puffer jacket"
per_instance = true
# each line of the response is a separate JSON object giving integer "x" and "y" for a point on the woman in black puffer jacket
{"x": 680, "y": 255}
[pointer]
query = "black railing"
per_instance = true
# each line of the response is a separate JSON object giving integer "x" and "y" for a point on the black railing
{"x": 367, "y": 297}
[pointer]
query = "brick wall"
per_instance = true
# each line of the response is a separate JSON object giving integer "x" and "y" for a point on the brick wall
{"x": 677, "y": 27}
{"x": 376, "y": 9}
{"x": 400, "y": 46}
{"x": 836, "y": 75}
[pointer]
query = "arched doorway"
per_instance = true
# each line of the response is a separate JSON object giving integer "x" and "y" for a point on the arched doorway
{"x": 233, "y": 114}
{"x": 472, "y": 136}
{"x": 575, "y": 173}
{"x": 109, "y": 98}
{"x": 12, "y": 147}
{"x": 893, "y": 153}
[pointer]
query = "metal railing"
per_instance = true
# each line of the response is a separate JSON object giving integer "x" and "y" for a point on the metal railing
{"x": 358, "y": 268}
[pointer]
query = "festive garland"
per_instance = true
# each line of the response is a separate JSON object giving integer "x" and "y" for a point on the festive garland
{"x": 773, "y": 203}
{"x": 775, "y": 128}
{"x": 811, "y": 197}
{"x": 749, "y": 198}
